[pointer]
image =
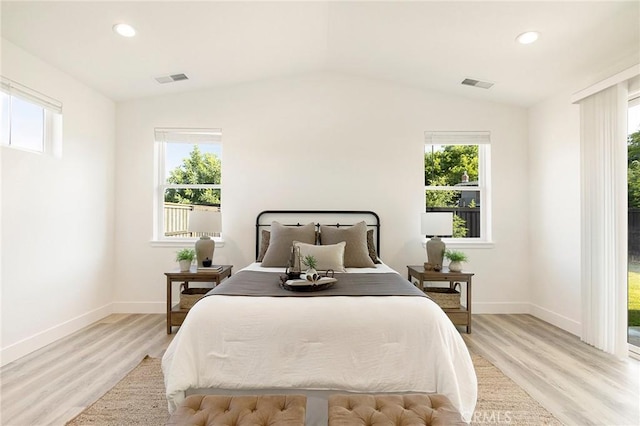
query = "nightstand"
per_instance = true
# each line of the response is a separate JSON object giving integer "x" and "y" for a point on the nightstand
{"x": 175, "y": 315}
{"x": 459, "y": 316}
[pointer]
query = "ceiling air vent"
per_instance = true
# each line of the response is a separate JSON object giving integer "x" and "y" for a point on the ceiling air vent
{"x": 476, "y": 83}
{"x": 171, "y": 78}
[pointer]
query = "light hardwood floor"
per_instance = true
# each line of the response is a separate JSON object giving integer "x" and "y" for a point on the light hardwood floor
{"x": 580, "y": 385}
{"x": 54, "y": 384}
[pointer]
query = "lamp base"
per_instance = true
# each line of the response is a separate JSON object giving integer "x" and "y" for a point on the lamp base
{"x": 435, "y": 252}
{"x": 205, "y": 247}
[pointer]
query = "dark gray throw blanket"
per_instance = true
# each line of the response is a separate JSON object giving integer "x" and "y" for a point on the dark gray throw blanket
{"x": 267, "y": 284}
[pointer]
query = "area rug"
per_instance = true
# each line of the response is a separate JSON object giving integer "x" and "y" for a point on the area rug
{"x": 139, "y": 399}
{"x": 502, "y": 401}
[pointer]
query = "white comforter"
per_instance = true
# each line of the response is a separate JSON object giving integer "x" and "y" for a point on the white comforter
{"x": 350, "y": 344}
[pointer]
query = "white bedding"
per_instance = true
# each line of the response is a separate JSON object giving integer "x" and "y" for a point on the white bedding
{"x": 367, "y": 344}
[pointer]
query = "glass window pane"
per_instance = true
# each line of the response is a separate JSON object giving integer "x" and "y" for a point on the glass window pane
{"x": 4, "y": 124}
{"x": 188, "y": 163}
{"x": 633, "y": 182}
{"x": 27, "y": 125}
{"x": 203, "y": 197}
{"x": 179, "y": 202}
{"x": 465, "y": 206}
{"x": 451, "y": 165}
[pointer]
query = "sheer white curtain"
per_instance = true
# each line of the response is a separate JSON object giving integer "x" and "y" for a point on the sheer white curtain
{"x": 603, "y": 135}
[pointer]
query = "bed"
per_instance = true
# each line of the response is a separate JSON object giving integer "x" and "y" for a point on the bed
{"x": 382, "y": 342}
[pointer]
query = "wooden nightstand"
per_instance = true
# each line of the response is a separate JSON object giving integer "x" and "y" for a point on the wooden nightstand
{"x": 175, "y": 315}
{"x": 459, "y": 316}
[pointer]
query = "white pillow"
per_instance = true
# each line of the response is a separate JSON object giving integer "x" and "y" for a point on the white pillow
{"x": 328, "y": 256}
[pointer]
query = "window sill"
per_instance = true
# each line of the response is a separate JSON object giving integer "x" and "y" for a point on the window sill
{"x": 466, "y": 244}
{"x": 181, "y": 242}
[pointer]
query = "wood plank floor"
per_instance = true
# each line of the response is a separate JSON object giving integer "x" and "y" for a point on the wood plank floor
{"x": 54, "y": 384}
{"x": 577, "y": 383}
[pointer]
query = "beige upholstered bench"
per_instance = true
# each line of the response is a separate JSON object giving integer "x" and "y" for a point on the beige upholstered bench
{"x": 392, "y": 410}
{"x": 219, "y": 410}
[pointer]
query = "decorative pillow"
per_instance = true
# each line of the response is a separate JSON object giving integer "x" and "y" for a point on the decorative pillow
{"x": 356, "y": 253}
{"x": 264, "y": 244}
{"x": 371, "y": 246}
{"x": 281, "y": 240}
{"x": 328, "y": 256}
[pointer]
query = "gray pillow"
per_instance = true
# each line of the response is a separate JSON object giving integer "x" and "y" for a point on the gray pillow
{"x": 264, "y": 244}
{"x": 371, "y": 245}
{"x": 281, "y": 240}
{"x": 356, "y": 252}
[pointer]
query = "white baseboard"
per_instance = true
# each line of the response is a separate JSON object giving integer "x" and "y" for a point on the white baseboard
{"x": 139, "y": 307}
{"x": 50, "y": 335}
{"x": 567, "y": 324}
{"x": 546, "y": 315}
{"x": 501, "y": 308}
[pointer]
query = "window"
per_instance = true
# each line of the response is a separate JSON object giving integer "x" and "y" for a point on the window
{"x": 633, "y": 225}
{"x": 31, "y": 120}
{"x": 456, "y": 178}
{"x": 189, "y": 166}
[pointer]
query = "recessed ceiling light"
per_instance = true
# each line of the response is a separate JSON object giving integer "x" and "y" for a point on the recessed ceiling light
{"x": 125, "y": 30}
{"x": 528, "y": 37}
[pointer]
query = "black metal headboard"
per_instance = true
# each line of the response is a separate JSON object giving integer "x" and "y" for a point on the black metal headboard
{"x": 336, "y": 218}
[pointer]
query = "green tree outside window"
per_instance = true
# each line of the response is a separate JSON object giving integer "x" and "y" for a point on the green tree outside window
{"x": 197, "y": 168}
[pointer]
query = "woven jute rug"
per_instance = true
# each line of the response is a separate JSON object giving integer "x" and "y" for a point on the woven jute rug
{"x": 502, "y": 401}
{"x": 139, "y": 399}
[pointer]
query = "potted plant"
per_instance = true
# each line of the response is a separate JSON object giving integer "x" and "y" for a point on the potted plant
{"x": 185, "y": 258}
{"x": 311, "y": 263}
{"x": 456, "y": 258}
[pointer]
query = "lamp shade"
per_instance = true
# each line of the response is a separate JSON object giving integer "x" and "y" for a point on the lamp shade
{"x": 437, "y": 224}
{"x": 205, "y": 221}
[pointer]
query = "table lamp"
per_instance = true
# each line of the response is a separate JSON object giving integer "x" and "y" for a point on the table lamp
{"x": 208, "y": 222}
{"x": 436, "y": 225}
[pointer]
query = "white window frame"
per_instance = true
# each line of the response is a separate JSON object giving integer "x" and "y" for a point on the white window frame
{"x": 52, "y": 110}
{"x": 172, "y": 135}
{"x": 483, "y": 140}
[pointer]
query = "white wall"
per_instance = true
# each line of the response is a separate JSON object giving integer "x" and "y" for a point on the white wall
{"x": 57, "y": 216}
{"x": 554, "y": 211}
{"x": 321, "y": 141}
{"x": 554, "y": 203}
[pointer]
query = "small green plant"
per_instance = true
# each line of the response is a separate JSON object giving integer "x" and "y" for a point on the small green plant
{"x": 310, "y": 261}
{"x": 185, "y": 254}
{"x": 455, "y": 256}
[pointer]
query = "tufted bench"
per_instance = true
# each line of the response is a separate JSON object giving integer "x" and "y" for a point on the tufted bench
{"x": 219, "y": 410}
{"x": 392, "y": 410}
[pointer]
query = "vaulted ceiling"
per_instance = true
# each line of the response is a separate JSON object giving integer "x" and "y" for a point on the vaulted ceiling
{"x": 431, "y": 45}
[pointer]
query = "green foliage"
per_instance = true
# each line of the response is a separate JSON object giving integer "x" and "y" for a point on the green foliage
{"x": 198, "y": 168}
{"x": 310, "y": 261}
{"x": 445, "y": 167}
{"x": 459, "y": 227}
{"x": 455, "y": 256}
{"x": 633, "y": 171}
{"x": 443, "y": 198}
{"x": 185, "y": 254}
{"x": 633, "y": 145}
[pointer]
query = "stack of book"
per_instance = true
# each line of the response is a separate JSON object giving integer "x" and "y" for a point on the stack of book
{"x": 212, "y": 268}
